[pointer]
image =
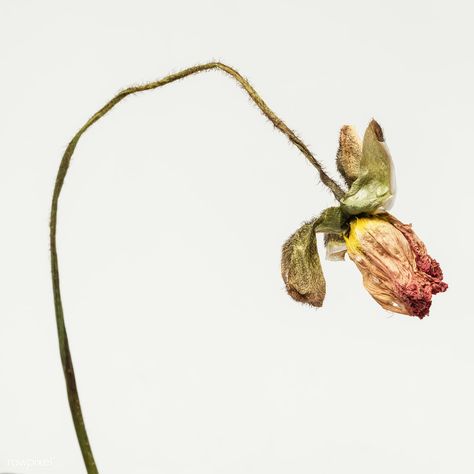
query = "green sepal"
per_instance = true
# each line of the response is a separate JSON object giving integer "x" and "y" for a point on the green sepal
{"x": 301, "y": 268}
{"x": 375, "y": 186}
{"x": 332, "y": 220}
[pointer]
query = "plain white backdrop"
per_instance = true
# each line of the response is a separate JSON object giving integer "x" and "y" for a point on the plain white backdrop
{"x": 189, "y": 355}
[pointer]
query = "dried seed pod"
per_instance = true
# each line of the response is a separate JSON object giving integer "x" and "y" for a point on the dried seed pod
{"x": 301, "y": 267}
{"x": 349, "y": 154}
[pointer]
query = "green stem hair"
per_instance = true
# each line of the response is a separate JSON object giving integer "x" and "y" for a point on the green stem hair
{"x": 66, "y": 359}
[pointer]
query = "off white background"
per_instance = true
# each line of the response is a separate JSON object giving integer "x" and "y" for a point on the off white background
{"x": 189, "y": 355}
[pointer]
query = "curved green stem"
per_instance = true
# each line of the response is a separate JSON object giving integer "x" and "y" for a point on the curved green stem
{"x": 66, "y": 360}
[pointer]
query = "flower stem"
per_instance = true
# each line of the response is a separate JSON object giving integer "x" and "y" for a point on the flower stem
{"x": 66, "y": 359}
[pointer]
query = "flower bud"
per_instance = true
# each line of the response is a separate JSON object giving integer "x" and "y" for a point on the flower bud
{"x": 349, "y": 154}
{"x": 396, "y": 269}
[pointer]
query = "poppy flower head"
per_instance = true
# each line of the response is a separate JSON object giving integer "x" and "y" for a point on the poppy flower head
{"x": 396, "y": 269}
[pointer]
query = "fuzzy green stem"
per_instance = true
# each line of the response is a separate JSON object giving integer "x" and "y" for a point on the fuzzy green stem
{"x": 66, "y": 360}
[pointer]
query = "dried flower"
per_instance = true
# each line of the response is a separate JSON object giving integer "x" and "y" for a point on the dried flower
{"x": 396, "y": 269}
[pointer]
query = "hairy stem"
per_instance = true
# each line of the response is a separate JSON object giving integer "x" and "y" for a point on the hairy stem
{"x": 66, "y": 360}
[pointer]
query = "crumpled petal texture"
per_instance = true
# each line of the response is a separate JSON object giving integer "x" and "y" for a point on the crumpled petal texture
{"x": 396, "y": 268}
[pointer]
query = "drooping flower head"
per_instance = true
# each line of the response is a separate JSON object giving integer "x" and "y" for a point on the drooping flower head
{"x": 396, "y": 268}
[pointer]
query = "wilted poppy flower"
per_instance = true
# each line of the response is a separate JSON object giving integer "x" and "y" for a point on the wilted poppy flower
{"x": 396, "y": 268}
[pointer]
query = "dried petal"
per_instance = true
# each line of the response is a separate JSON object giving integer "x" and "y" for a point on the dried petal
{"x": 335, "y": 247}
{"x": 424, "y": 262}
